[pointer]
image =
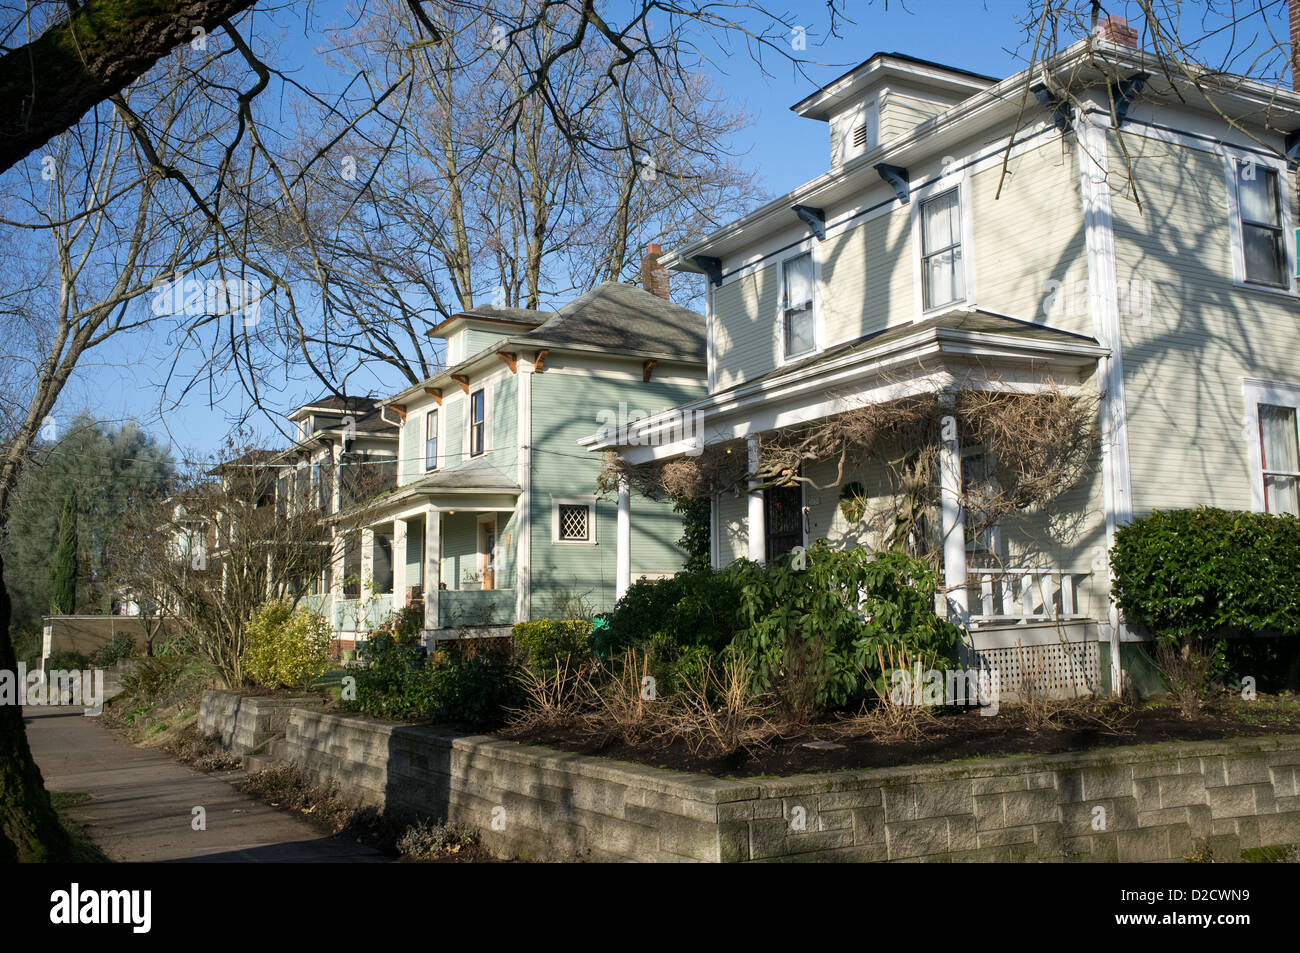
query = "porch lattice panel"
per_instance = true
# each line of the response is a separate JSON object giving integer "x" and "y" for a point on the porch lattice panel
{"x": 1057, "y": 670}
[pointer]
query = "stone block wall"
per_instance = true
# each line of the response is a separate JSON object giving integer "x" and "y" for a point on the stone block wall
{"x": 245, "y": 724}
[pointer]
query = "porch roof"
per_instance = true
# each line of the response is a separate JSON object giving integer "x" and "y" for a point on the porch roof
{"x": 474, "y": 485}
{"x": 961, "y": 348}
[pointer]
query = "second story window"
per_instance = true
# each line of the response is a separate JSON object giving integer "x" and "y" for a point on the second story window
{"x": 1262, "y": 240}
{"x": 943, "y": 277}
{"x": 431, "y": 440}
{"x": 797, "y": 305}
{"x": 476, "y": 423}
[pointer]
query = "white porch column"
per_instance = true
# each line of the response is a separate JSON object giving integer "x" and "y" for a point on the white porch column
{"x": 336, "y": 582}
{"x": 524, "y": 505}
{"x": 623, "y": 575}
{"x": 367, "y": 576}
{"x": 432, "y": 566}
{"x": 399, "y": 565}
{"x": 270, "y": 575}
{"x": 757, "y": 511}
{"x": 954, "y": 524}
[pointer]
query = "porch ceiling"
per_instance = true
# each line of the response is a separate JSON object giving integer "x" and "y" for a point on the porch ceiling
{"x": 957, "y": 350}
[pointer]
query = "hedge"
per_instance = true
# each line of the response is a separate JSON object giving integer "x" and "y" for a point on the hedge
{"x": 546, "y": 641}
{"x": 1209, "y": 574}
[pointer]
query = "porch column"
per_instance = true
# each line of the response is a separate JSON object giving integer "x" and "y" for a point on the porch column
{"x": 623, "y": 574}
{"x": 337, "y": 569}
{"x": 367, "y": 576}
{"x": 270, "y": 575}
{"x": 399, "y": 565}
{"x": 757, "y": 512}
{"x": 954, "y": 524}
{"x": 432, "y": 566}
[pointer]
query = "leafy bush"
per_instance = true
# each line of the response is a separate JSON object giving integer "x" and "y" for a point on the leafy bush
{"x": 472, "y": 688}
{"x": 67, "y": 662}
{"x": 546, "y": 641}
{"x": 122, "y": 647}
{"x": 815, "y": 634}
{"x": 1208, "y": 574}
{"x": 285, "y": 647}
{"x": 407, "y": 624}
{"x": 700, "y": 609}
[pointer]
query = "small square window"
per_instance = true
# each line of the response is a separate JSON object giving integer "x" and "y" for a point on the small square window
{"x": 575, "y": 522}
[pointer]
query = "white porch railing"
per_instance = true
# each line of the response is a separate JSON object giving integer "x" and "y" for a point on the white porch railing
{"x": 1020, "y": 595}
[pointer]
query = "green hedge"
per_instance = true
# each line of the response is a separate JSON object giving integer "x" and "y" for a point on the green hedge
{"x": 546, "y": 641}
{"x": 1209, "y": 574}
{"x": 699, "y": 609}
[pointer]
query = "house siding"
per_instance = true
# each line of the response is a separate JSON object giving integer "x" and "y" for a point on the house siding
{"x": 899, "y": 112}
{"x": 867, "y": 276}
{"x": 745, "y": 326}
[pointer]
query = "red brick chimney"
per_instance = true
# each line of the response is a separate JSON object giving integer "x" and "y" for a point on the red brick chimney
{"x": 1117, "y": 30}
{"x": 1295, "y": 44}
{"x": 654, "y": 276}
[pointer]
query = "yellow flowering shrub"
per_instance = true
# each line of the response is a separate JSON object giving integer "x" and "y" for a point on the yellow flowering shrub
{"x": 285, "y": 647}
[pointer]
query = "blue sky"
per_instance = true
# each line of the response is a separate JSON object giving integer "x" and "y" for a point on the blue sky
{"x": 979, "y": 35}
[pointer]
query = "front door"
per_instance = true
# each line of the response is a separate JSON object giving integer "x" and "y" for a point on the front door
{"x": 784, "y": 506}
{"x": 488, "y": 553}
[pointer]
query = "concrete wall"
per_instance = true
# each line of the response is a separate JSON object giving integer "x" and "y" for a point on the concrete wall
{"x": 245, "y": 723}
{"x": 1159, "y": 801}
{"x": 87, "y": 633}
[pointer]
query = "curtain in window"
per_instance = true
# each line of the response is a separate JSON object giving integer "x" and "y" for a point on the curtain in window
{"x": 1277, "y": 428}
{"x": 798, "y": 305}
{"x": 941, "y": 240}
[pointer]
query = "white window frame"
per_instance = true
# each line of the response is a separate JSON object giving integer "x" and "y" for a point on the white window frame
{"x": 812, "y": 249}
{"x": 960, "y": 183}
{"x": 1231, "y": 162}
{"x": 437, "y": 436}
{"x": 1274, "y": 393}
{"x": 469, "y": 421}
{"x": 588, "y": 501}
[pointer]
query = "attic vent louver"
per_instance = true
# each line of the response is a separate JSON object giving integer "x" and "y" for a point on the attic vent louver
{"x": 860, "y": 136}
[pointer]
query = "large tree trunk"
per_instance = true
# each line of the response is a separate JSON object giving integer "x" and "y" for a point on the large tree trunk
{"x": 47, "y": 85}
{"x": 29, "y": 828}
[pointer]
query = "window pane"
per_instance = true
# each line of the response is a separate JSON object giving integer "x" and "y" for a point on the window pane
{"x": 1258, "y": 196}
{"x": 940, "y": 222}
{"x": 431, "y": 440}
{"x": 1280, "y": 495}
{"x": 573, "y": 521}
{"x": 476, "y": 406}
{"x": 945, "y": 280}
{"x": 1265, "y": 257}
{"x": 1277, "y": 430}
{"x": 798, "y": 282}
{"x": 798, "y": 332}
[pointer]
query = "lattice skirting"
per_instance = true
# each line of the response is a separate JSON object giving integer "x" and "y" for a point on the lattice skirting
{"x": 1054, "y": 670}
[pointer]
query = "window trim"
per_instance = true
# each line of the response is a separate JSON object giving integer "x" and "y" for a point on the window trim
{"x": 1235, "y": 231}
{"x": 437, "y": 436}
{"x": 588, "y": 501}
{"x": 960, "y": 183}
{"x": 810, "y": 248}
{"x": 1273, "y": 393}
{"x": 469, "y": 427}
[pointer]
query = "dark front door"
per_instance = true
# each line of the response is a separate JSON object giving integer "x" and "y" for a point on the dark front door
{"x": 784, "y": 505}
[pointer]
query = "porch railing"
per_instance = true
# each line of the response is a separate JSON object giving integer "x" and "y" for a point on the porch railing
{"x": 1021, "y": 595}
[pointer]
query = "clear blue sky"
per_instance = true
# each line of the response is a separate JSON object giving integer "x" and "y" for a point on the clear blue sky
{"x": 979, "y": 35}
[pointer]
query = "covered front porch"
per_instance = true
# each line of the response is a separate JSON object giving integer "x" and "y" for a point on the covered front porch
{"x": 1029, "y": 596}
{"x": 447, "y": 543}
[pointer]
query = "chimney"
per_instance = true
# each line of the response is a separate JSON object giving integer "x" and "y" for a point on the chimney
{"x": 1117, "y": 30}
{"x": 654, "y": 276}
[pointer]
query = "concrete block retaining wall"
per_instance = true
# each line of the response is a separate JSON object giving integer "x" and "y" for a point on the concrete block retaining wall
{"x": 245, "y": 723}
{"x": 1157, "y": 801}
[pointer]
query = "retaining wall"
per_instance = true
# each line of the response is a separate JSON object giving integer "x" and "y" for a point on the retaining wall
{"x": 1144, "y": 803}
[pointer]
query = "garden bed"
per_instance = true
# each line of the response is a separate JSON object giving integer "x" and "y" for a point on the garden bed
{"x": 951, "y": 735}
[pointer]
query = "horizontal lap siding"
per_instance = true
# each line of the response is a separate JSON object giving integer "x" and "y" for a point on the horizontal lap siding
{"x": 566, "y": 402}
{"x": 899, "y": 113}
{"x": 1185, "y": 357}
{"x": 744, "y": 326}
{"x": 867, "y": 278}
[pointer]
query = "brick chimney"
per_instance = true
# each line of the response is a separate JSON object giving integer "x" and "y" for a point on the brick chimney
{"x": 654, "y": 276}
{"x": 1295, "y": 44}
{"x": 1117, "y": 30}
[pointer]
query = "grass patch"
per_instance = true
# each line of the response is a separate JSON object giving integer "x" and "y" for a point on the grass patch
{"x": 1285, "y": 854}
{"x": 84, "y": 850}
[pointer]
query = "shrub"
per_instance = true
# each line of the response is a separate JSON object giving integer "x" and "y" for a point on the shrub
{"x": 122, "y": 647}
{"x": 1208, "y": 574}
{"x": 472, "y": 688}
{"x": 699, "y": 609}
{"x": 816, "y": 633}
{"x": 393, "y": 683}
{"x": 285, "y": 647}
{"x": 546, "y": 641}
{"x": 67, "y": 662}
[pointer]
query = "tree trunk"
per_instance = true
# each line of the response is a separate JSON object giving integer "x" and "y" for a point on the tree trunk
{"x": 29, "y": 828}
{"x": 49, "y": 84}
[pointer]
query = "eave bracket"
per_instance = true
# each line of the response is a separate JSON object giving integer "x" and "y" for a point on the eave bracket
{"x": 899, "y": 178}
{"x": 814, "y": 218}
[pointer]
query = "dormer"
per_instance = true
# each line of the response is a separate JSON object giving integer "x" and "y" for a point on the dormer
{"x": 472, "y": 332}
{"x": 883, "y": 98}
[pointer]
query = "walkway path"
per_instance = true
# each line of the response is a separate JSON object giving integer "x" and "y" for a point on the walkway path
{"x": 141, "y": 802}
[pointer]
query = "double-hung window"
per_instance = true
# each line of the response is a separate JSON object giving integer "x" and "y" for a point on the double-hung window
{"x": 943, "y": 276}
{"x": 431, "y": 440}
{"x": 476, "y": 423}
{"x": 797, "y": 306}
{"x": 1259, "y": 207}
{"x": 1279, "y": 444}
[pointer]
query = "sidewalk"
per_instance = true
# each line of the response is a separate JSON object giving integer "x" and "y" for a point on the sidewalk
{"x": 141, "y": 802}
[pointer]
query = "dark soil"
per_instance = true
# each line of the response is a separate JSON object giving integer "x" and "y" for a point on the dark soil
{"x": 954, "y": 734}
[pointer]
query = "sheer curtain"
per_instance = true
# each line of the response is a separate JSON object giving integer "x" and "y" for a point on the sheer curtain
{"x": 1277, "y": 428}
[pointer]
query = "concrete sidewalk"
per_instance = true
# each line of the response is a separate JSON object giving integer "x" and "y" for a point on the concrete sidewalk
{"x": 141, "y": 802}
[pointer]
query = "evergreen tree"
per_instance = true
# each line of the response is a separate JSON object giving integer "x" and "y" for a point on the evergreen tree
{"x": 63, "y": 575}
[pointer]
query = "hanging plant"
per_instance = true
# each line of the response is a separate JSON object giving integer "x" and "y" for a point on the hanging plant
{"x": 853, "y": 501}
